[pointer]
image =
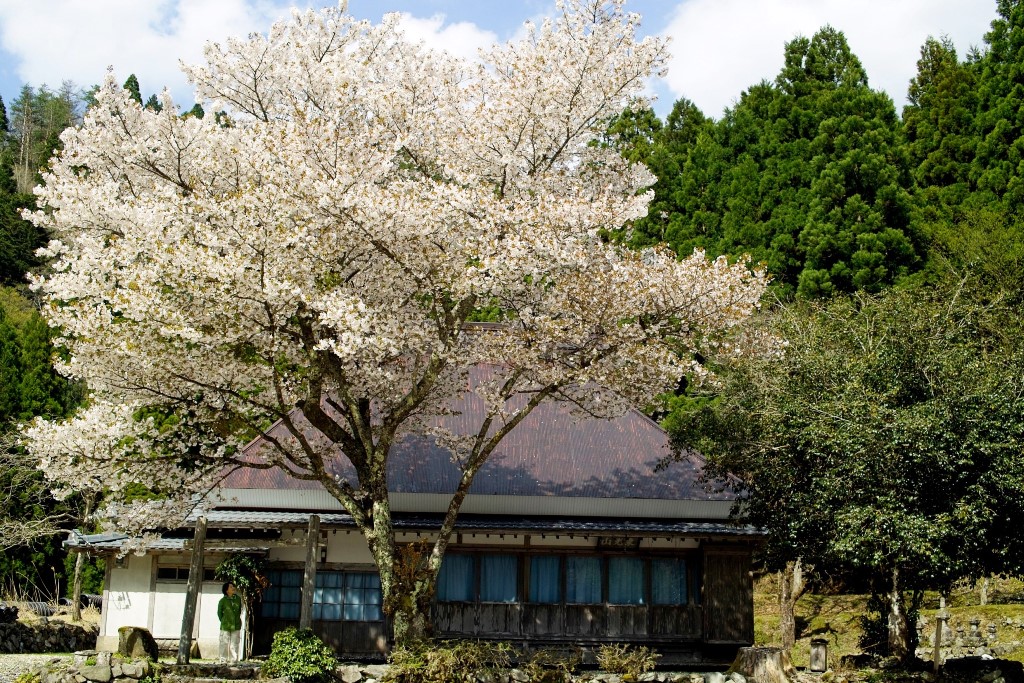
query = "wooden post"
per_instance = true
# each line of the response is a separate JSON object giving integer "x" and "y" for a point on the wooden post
{"x": 309, "y": 575}
{"x": 940, "y": 619}
{"x": 195, "y": 580}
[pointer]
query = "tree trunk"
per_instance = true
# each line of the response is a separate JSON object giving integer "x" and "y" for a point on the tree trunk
{"x": 763, "y": 664}
{"x": 899, "y": 630}
{"x": 790, "y": 590}
{"x": 76, "y": 592}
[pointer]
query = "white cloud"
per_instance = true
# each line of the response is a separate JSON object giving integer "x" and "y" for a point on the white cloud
{"x": 144, "y": 37}
{"x": 722, "y": 47}
{"x": 461, "y": 39}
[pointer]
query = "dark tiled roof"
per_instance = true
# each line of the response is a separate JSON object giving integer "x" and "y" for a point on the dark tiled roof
{"x": 551, "y": 453}
{"x": 496, "y": 523}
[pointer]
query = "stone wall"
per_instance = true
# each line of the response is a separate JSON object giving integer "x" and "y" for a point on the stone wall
{"x": 976, "y": 638}
{"x": 46, "y": 636}
{"x": 96, "y": 667}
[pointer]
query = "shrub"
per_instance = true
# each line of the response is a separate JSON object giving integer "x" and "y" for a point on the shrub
{"x": 301, "y": 656}
{"x": 28, "y": 677}
{"x": 552, "y": 665}
{"x": 448, "y": 661}
{"x": 627, "y": 660}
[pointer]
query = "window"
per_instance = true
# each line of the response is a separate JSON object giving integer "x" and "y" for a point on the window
{"x": 668, "y": 581}
{"x": 327, "y": 597}
{"x": 498, "y": 578}
{"x": 455, "y": 580}
{"x": 546, "y": 579}
{"x": 362, "y": 597}
{"x": 281, "y": 600}
{"x": 583, "y": 580}
{"x": 180, "y": 574}
{"x": 625, "y": 581}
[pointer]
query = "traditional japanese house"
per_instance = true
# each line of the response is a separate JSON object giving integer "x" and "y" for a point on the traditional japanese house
{"x": 570, "y": 534}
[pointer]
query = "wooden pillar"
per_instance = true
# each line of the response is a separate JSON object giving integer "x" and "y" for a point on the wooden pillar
{"x": 195, "y": 580}
{"x": 309, "y": 575}
{"x": 940, "y": 620}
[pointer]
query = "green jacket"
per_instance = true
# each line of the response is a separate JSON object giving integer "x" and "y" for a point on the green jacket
{"x": 229, "y": 611}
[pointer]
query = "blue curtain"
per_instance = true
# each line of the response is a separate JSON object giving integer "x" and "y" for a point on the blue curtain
{"x": 583, "y": 580}
{"x": 327, "y": 596}
{"x": 625, "y": 581}
{"x": 498, "y": 578}
{"x": 362, "y": 597}
{"x": 546, "y": 579}
{"x": 455, "y": 580}
{"x": 281, "y": 599}
{"x": 668, "y": 581}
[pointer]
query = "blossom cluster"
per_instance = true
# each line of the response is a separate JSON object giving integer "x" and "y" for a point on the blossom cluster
{"x": 329, "y": 234}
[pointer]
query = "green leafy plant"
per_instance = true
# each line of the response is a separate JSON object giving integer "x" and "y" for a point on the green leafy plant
{"x": 28, "y": 677}
{"x": 447, "y": 661}
{"x": 627, "y": 660}
{"x": 301, "y": 656}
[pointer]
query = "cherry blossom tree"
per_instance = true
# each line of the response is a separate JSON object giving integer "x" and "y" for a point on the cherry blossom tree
{"x": 314, "y": 254}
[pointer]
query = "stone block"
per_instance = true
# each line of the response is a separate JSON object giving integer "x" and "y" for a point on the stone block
{"x": 99, "y": 673}
{"x": 134, "y": 642}
{"x": 714, "y": 677}
{"x": 349, "y": 673}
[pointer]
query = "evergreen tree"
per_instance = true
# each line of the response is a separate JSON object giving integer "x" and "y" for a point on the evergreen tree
{"x": 154, "y": 103}
{"x": 938, "y": 127}
{"x": 1000, "y": 124}
{"x": 132, "y": 86}
{"x": 10, "y": 373}
{"x": 5, "y": 126}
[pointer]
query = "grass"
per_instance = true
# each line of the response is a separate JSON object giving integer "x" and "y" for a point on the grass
{"x": 836, "y": 617}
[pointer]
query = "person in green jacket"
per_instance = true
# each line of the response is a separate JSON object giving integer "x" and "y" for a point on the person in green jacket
{"x": 229, "y": 611}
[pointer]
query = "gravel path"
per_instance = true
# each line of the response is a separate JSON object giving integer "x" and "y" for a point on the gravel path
{"x": 13, "y": 665}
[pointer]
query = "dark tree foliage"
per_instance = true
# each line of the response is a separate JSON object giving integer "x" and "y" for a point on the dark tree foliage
{"x": 805, "y": 175}
{"x": 132, "y": 86}
{"x": 884, "y": 439}
{"x": 938, "y": 127}
{"x": 996, "y": 170}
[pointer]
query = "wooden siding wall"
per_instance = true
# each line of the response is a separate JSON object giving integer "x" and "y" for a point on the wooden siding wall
{"x": 728, "y": 596}
{"x": 568, "y": 622}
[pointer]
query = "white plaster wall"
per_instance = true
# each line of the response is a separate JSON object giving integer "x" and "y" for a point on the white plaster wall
{"x": 128, "y": 598}
{"x": 349, "y": 548}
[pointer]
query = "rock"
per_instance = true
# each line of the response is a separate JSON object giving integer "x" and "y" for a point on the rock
{"x": 736, "y": 677}
{"x": 990, "y": 676}
{"x": 132, "y": 670}
{"x": 349, "y": 673}
{"x": 377, "y": 671}
{"x": 761, "y": 665}
{"x": 519, "y": 676}
{"x": 135, "y": 641}
{"x": 714, "y": 677}
{"x": 116, "y": 671}
{"x": 100, "y": 673}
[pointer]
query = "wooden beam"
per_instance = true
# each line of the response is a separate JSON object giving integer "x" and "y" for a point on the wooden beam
{"x": 309, "y": 575}
{"x": 195, "y": 580}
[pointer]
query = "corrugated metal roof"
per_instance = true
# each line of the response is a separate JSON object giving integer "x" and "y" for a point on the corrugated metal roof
{"x": 552, "y": 452}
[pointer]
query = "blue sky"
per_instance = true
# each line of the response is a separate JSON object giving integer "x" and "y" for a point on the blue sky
{"x": 720, "y": 47}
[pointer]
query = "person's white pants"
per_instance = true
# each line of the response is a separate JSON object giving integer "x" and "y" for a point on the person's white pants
{"x": 229, "y": 642}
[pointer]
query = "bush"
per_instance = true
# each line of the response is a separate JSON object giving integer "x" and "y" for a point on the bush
{"x": 552, "y": 665}
{"x": 627, "y": 660}
{"x": 301, "y": 656}
{"x": 447, "y": 661}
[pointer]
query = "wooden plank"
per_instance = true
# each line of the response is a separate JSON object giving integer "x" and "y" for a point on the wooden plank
{"x": 627, "y": 620}
{"x": 543, "y": 620}
{"x": 585, "y": 620}
{"x": 728, "y": 597}
{"x": 677, "y": 621}
{"x": 309, "y": 572}
{"x": 195, "y": 580}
